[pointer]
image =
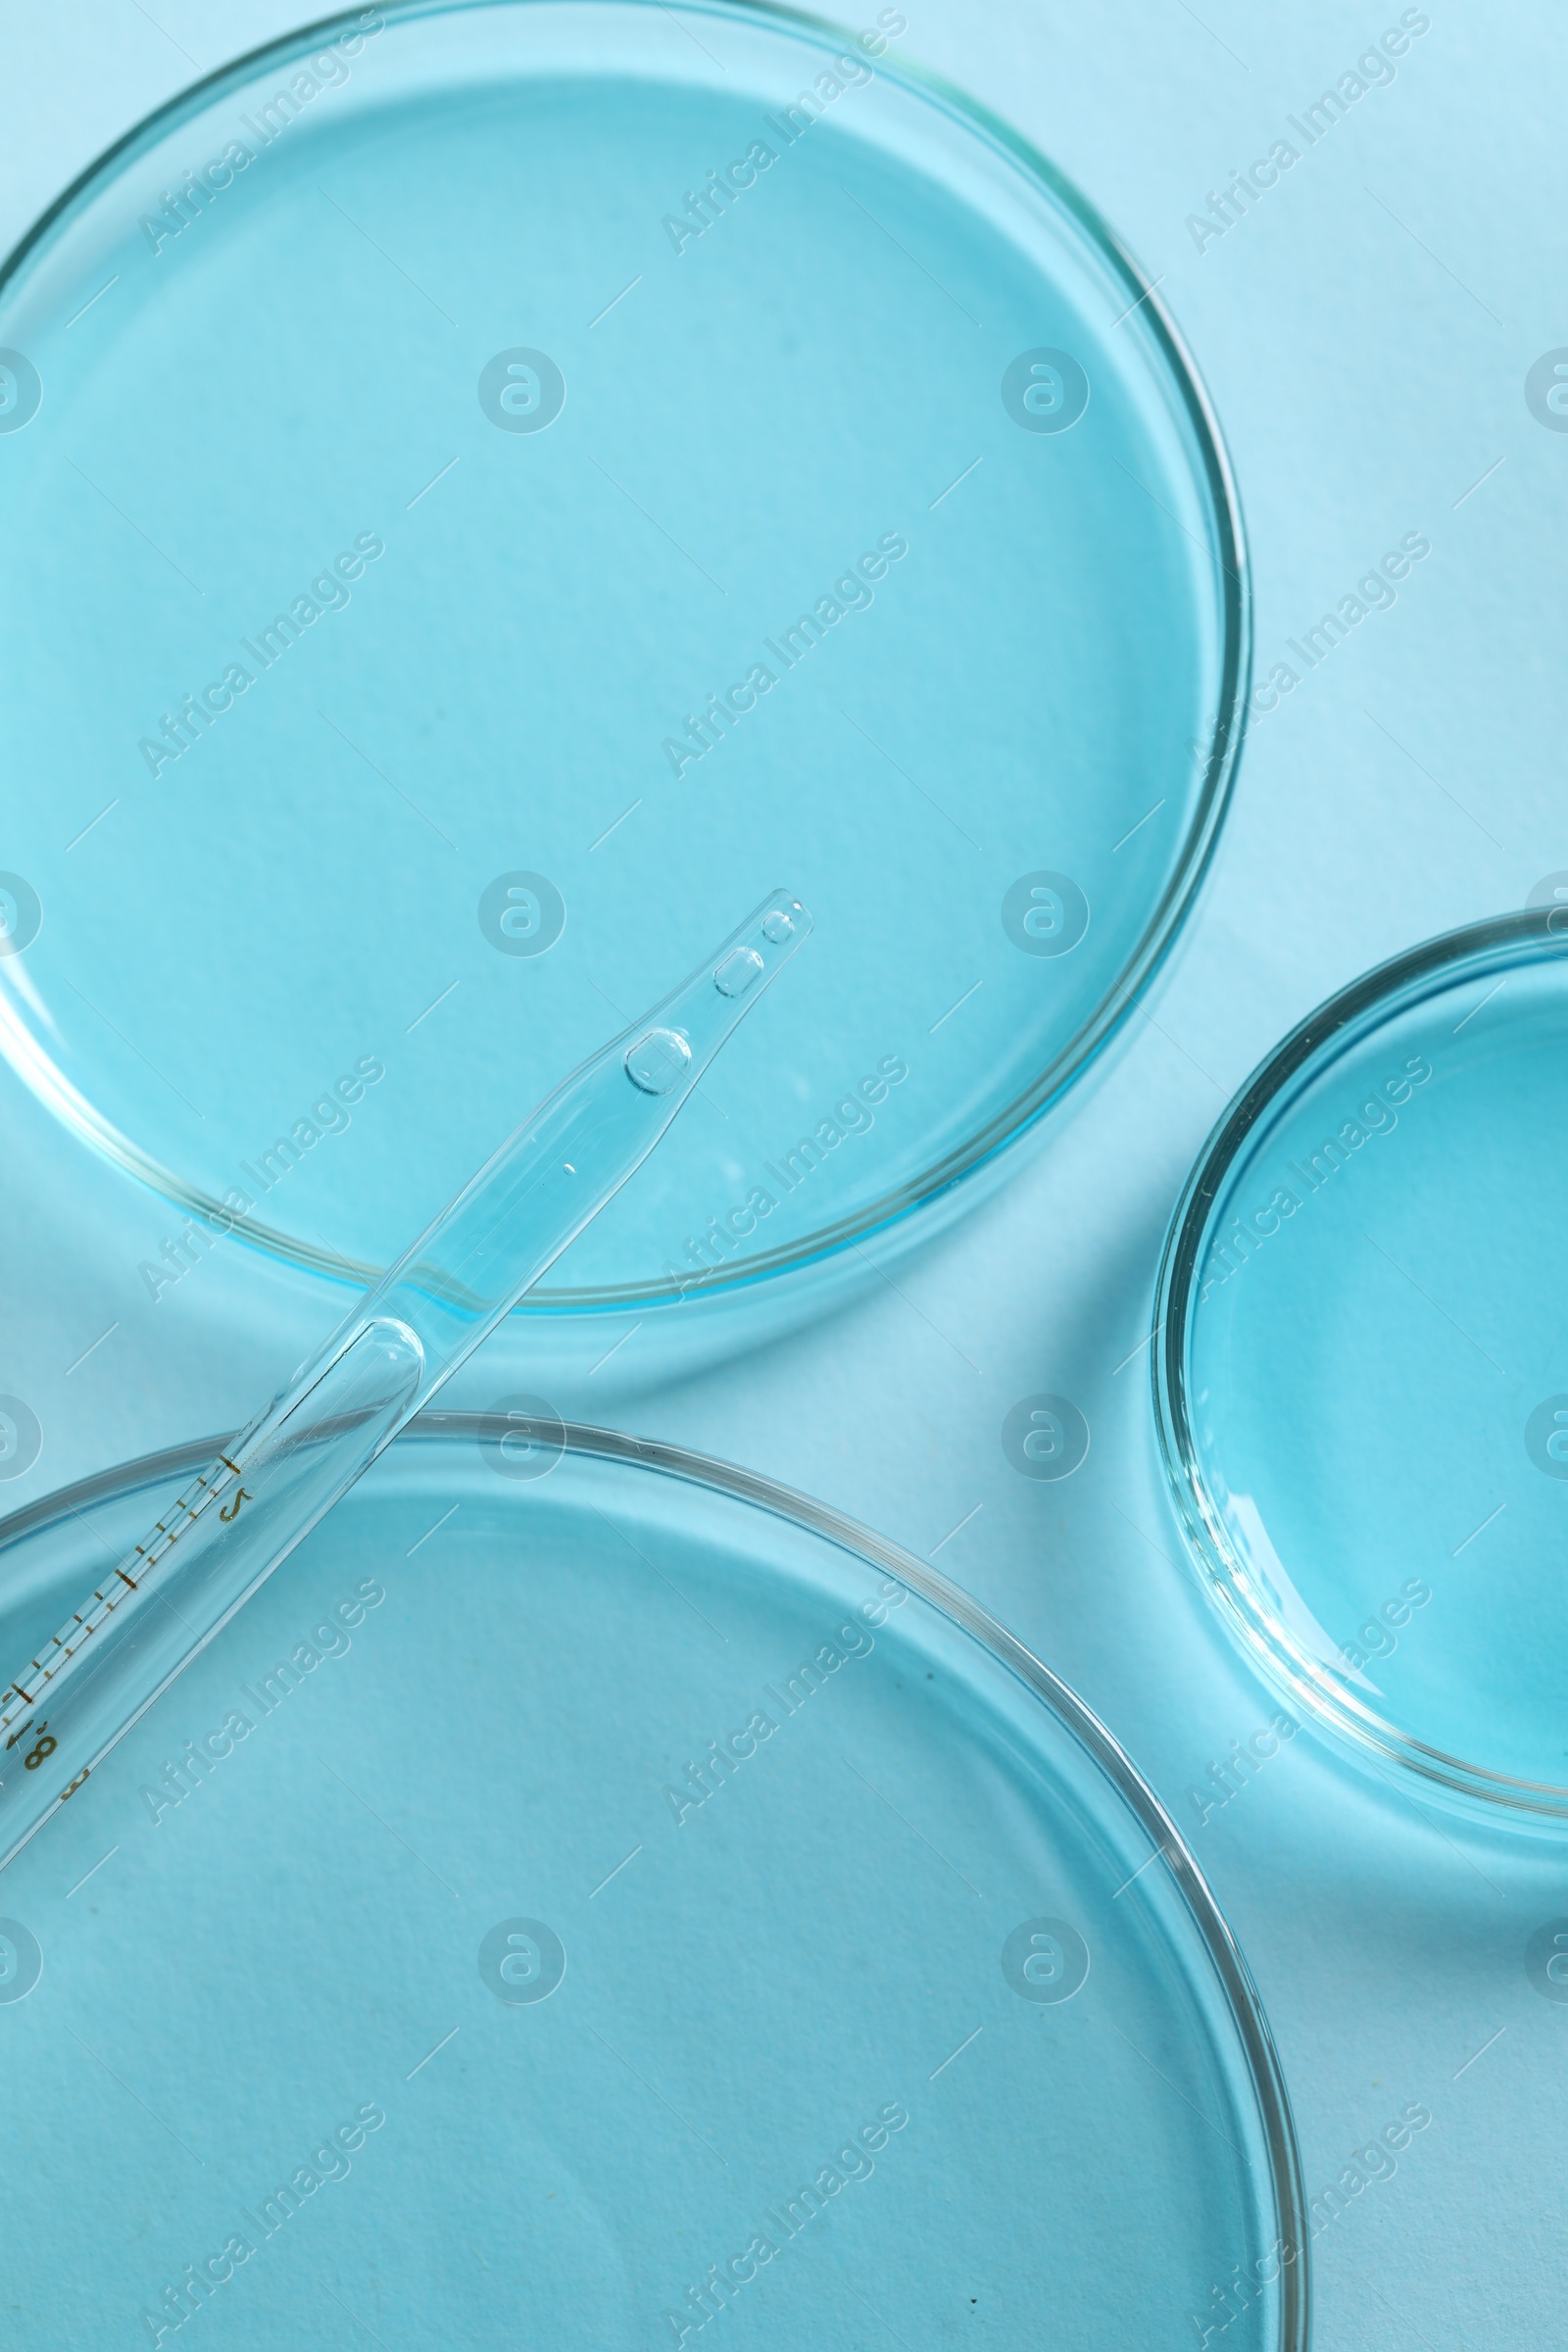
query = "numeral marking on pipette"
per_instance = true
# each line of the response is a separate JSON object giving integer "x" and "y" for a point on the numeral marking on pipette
{"x": 209, "y": 1488}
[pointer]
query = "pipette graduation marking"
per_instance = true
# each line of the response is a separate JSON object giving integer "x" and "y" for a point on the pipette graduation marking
{"x": 243, "y": 1515}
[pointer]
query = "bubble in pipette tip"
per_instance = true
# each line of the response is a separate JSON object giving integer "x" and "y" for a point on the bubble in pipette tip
{"x": 777, "y": 927}
{"x": 658, "y": 1061}
{"x": 737, "y": 972}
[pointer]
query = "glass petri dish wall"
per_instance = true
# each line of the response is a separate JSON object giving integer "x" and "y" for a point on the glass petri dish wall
{"x": 490, "y": 491}
{"x": 1362, "y": 1384}
{"x": 590, "y": 1890}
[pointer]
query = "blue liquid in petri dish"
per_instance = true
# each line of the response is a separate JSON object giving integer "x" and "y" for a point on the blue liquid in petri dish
{"x": 570, "y": 1895}
{"x": 504, "y": 494}
{"x": 1365, "y": 1392}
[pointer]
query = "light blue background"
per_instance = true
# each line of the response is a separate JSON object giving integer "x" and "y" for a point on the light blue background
{"x": 1365, "y": 335}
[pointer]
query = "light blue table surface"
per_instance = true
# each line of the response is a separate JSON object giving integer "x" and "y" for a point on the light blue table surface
{"x": 1365, "y": 334}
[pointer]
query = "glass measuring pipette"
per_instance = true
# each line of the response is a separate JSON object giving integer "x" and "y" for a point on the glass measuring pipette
{"x": 244, "y": 1515}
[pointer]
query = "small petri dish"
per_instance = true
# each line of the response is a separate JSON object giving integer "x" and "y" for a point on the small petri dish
{"x": 1361, "y": 1379}
{"x": 489, "y": 492}
{"x": 590, "y": 1890}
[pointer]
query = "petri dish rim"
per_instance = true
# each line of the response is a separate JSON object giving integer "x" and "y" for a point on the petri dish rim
{"x": 1213, "y": 475}
{"x": 1496, "y": 945}
{"x": 733, "y": 1482}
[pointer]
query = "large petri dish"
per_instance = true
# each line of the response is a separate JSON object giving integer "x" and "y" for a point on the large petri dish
{"x": 590, "y": 1890}
{"x": 488, "y": 492}
{"x": 1361, "y": 1379}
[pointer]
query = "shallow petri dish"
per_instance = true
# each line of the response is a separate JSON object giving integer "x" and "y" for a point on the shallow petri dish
{"x": 1361, "y": 1379}
{"x": 591, "y": 1888}
{"x": 489, "y": 492}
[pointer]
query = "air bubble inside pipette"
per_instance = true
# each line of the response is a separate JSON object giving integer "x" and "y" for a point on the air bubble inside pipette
{"x": 268, "y": 1488}
{"x": 658, "y": 1062}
